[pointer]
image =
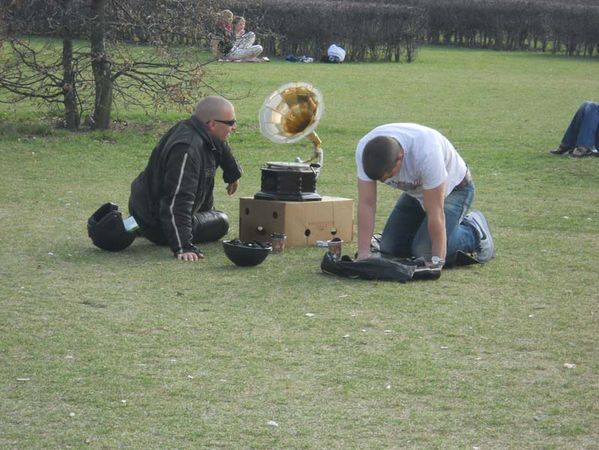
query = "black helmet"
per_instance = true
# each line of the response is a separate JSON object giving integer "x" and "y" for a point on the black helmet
{"x": 106, "y": 229}
{"x": 246, "y": 253}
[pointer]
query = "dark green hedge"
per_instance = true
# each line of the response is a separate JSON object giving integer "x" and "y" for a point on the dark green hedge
{"x": 376, "y": 29}
{"x": 515, "y": 25}
{"x": 389, "y": 30}
{"x": 367, "y": 31}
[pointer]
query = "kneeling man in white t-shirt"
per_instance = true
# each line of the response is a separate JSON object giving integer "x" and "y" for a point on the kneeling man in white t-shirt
{"x": 430, "y": 218}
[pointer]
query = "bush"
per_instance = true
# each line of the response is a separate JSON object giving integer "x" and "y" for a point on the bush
{"x": 369, "y": 30}
{"x": 515, "y": 25}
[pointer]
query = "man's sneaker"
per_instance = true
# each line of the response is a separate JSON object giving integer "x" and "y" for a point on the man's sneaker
{"x": 478, "y": 221}
{"x": 582, "y": 152}
{"x": 561, "y": 150}
{"x": 375, "y": 243}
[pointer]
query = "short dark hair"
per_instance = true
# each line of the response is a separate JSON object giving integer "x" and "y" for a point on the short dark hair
{"x": 379, "y": 156}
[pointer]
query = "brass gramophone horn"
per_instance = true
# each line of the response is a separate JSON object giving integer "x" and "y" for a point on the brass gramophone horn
{"x": 291, "y": 113}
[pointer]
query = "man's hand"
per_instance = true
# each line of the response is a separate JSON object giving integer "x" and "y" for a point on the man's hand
{"x": 190, "y": 256}
{"x": 435, "y": 263}
{"x": 232, "y": 187}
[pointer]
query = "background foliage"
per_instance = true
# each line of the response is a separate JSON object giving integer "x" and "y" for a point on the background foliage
{"x": 86, "y": 78}
{"x": 388, "y": 30}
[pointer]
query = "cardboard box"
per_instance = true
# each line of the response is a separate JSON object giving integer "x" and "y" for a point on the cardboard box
{"x": 304, "y": 223}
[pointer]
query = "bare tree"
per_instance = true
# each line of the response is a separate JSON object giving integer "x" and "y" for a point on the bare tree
{"x": 87, "y": 80}
{"x": 101, "y": 66}
{"x": 31, "y": 71}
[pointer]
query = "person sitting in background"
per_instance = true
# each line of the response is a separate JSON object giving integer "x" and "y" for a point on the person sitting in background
{"x": 222, "y": 37}
{"x": 243, "y": 48}
{"x": 582, "y": 135}
{"x": 238, "y": 27}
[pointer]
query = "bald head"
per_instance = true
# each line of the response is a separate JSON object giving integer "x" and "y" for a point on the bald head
{"x": 213, "y": 107}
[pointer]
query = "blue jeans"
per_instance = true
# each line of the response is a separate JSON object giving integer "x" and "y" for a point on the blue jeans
{"x": 583, "y": 131}
{"x": 406, "y": 233}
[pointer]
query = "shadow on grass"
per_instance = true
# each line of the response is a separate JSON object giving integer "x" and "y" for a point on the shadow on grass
{"x": 20, "y": 129}
{"x": 45, "y": 127}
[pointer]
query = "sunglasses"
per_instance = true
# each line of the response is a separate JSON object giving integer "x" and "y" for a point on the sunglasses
{"x": 227, "y": 122}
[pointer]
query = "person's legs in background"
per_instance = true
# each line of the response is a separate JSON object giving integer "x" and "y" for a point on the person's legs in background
{"x": 571, "y": 135}
{"x": 589, "y": 122}
{"x": 581, "y": 136}
{"x": 587, "y": 133}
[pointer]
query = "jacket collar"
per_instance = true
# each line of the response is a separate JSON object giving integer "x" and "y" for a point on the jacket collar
{"x": 203, "y": 131}
{"x": 198, "y": 126}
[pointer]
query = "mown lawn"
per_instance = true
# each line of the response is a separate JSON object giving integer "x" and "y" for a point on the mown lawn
{"x": 138, "y": 350}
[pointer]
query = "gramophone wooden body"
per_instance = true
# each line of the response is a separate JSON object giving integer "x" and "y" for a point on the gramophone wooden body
{"x": 288, "y": 182}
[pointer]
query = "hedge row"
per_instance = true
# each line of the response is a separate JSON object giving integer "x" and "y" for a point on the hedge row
{"x": 559, "y": 26}
{"x": 515, "y": 25}
{"x": 385, "y": 32}
{"x": 389, "y": 30}
{"x": 131, "y": 20}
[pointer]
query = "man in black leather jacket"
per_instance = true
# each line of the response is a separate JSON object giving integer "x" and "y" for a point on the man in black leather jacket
{"x": 172, "y": 199}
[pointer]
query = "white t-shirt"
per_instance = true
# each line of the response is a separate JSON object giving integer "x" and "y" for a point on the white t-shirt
{"x": 429, "y": 159}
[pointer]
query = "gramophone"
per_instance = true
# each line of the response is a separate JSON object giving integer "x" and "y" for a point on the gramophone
{"x": 288, "y": 115}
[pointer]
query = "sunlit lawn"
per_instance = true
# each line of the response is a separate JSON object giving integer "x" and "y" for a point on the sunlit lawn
{"x": 137, "y": 350}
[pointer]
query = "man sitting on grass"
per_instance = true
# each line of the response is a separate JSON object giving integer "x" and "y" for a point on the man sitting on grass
{"x": 172, "y": 199}
{"x": 429, "y": 219}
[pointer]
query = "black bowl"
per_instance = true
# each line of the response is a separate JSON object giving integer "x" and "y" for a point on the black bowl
{"x": 246, "y": 253}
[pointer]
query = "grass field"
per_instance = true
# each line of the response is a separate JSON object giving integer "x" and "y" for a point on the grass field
{"x": 138, "y": 350}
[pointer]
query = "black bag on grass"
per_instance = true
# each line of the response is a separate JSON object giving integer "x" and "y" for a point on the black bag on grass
{"x": 384, "y": 268}
{"x": 373, "y": 268}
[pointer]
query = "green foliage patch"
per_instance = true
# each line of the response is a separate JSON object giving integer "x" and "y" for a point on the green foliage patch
{"x": 138, "y": 350}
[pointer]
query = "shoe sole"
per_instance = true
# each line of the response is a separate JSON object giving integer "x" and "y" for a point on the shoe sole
{"x": 483, "y": 220}
{"x": 590, "y": 154}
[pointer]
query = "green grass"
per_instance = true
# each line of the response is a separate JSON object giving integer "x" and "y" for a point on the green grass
{"x": 137, "y": 350}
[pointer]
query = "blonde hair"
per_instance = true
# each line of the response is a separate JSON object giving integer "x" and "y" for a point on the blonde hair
{"x": 226, "y": 14}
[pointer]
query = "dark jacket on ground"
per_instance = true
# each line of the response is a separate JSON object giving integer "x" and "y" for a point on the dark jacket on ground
{"x": 178, "y": 182}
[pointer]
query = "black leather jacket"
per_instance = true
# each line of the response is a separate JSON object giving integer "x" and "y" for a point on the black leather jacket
{"x": 178, "y": 182}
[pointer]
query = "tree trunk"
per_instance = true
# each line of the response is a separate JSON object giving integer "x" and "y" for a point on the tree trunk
{"x": 71, "y": 108}
{"x": 100, "y": 66}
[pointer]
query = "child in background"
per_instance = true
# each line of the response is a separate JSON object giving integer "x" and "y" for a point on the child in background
{"x": 244, "y": 48}
{"x": 222, "y": 37}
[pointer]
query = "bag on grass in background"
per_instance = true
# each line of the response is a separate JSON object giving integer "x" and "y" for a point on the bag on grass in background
{"x": 336, "y": 54}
